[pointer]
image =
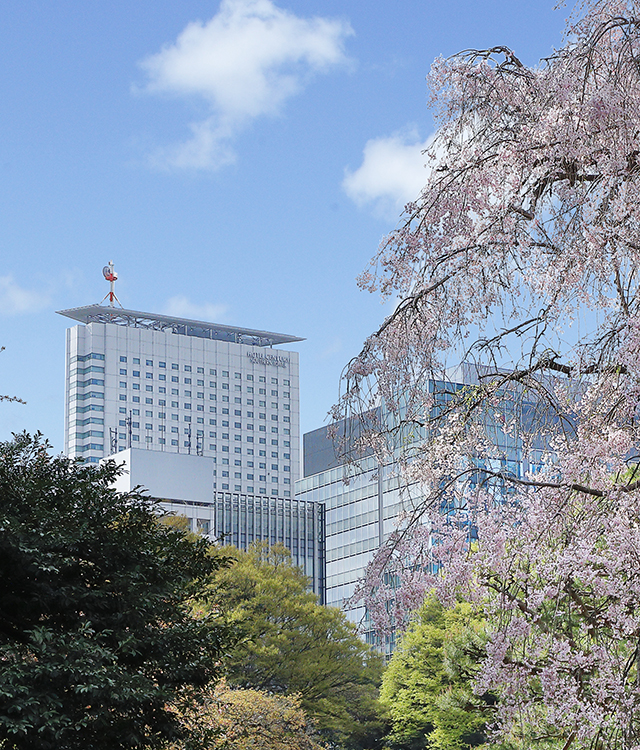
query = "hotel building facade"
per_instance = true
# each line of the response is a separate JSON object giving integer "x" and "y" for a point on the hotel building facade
{"x": 167, "y": 384}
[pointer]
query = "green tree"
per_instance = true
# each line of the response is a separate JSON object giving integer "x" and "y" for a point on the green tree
{"x": 97, "y": 632}
{"x": 427, "y": 686}
{"x": 293, "y": 645}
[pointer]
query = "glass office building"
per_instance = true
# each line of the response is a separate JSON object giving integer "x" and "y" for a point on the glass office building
{"x": 364, "y": 503}
{"x": 185, "y": 486}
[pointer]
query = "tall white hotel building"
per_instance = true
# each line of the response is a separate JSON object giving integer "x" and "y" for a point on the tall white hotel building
{"x": 167, "y": 384}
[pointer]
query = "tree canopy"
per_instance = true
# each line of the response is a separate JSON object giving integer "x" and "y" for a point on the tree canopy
{"x": 293, "y": 645}
{"x": 242, "y": 719}
{"x": 521, "y": 256}
{"x": 97, "y": 634}
{"x": 427, "y": 685}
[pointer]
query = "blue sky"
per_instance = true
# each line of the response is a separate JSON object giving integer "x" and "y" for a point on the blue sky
{"x": 238, "y": 163}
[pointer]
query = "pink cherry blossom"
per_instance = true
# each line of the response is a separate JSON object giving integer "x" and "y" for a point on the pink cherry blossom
{"x": 522, "y": 256}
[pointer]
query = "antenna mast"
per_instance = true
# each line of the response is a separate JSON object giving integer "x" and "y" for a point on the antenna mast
{"x": 111, "y": 276}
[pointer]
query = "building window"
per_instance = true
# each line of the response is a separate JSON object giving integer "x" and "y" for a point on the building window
{"x": 274, "y": 430}
{"x": 213, "y": 372}
{"x": 187, "y": 419}
{"x": 174, "y": 442}
{"x": 149, "y": 376}
{"x": 136, "y": 386}
{"x": 162, "y": 364}
{"x": 274, "y": 381}
{"x": 123, "y": 359}
{"x": 136, "y": 399}
{"x": 148, "y": 426}
{"x": 149, "y": 388}
{"x": 162, "y": 376}
{"x": 212, "y": 447}
{"x": 123, "y": 384}
{"x": 187, "y": 406}
{"x": 187, "y": 368}
{"x": 200, "y": 370}
{"x": 148, "y": 400}
{"x": 187, "y": 381}
{"x": 225, "y": 386}
{"x": 123, "y": 397}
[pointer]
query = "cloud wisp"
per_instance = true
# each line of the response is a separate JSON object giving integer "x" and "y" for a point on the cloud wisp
{"x": 245, "y": 62}
{"x": 392, "y": 173}
{"x": 182, "y": 307}
{"x": 15, "y": 300}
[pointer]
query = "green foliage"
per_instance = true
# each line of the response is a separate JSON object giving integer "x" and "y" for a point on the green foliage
{"x": 426, "y": 687}
{"x": 97, "y": 633}
{"x": 293, "y": 645}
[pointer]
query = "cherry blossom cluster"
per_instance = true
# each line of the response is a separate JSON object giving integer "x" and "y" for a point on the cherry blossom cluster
{"x": 521, "y": 255}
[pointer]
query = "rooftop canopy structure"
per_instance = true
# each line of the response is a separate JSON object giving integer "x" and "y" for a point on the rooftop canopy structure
{"x": 181, "y": 326}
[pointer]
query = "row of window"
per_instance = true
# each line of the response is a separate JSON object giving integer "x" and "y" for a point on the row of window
{"x": 200, "y": 382}
{"x": 200, "y": 370}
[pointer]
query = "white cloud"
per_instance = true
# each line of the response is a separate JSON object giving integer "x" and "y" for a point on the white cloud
{"x": 182, "y": 307}
{"x": 245, "y": 62}
{"x": 14, "y": 300}
{"x": 392, "y": 173}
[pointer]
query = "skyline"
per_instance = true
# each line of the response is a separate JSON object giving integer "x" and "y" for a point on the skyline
{"x": 239, "y": 163}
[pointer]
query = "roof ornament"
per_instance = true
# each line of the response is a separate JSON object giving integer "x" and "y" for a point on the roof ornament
{"x": 111, "y": 276}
